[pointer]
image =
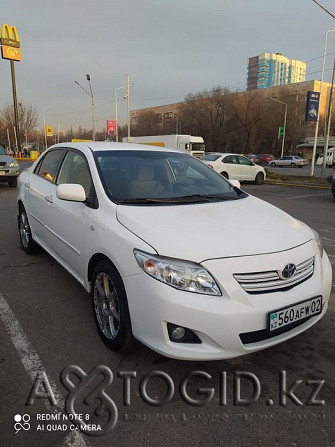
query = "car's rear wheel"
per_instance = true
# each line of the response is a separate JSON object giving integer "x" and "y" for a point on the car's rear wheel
{"x": 259, "y": 178}
{"x": 110, "y": 307}
{"x": 27, "y": 241}
{"x": 225, "y": 175}
{"x": 273, "y": 164}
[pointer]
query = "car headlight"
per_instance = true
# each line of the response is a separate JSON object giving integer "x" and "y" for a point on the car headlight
{"x": 182, "y": 275}
{"x": 318, "y": 241}
{"x": 13, "y": 164}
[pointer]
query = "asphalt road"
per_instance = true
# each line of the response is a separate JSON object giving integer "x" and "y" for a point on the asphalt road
{"x": 47, "y": 327}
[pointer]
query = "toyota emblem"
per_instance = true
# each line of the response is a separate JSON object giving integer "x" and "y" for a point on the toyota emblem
{"x": 288, "y": 271}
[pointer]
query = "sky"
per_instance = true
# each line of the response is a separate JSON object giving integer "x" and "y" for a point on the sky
{"x": 169, "y": 49}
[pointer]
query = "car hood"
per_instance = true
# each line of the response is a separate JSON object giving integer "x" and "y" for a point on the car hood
{"x": 199, "y": 232}
{"x": 6, "y": 159}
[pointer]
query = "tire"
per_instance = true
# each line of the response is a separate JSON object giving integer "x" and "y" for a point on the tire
{"x": 225, "y": 175}
{"x": 110, "y": 307}
{"x": 12, "y": 182}
{"x": 259, "y": 178}
{"x": 27, "y": 241}
{"x": 293, "y": 165}
{"x": 273, "y": 165}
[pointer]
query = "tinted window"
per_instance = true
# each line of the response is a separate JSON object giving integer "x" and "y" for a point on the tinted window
{"x": 47, "y": 168}
{"x": 230, "y": 159}
{"x": 244, "y": 161}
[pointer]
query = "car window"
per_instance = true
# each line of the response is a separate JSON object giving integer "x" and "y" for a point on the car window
{"x": 2, "y": 151}
{"x": 232, "y": 159}
{"x": 146, "y": 177}
{"x": 211, "y": 157}
{"x": 244, "y": 161}
{"x": 47, "y": 168}
{"x": 74, "y": 169}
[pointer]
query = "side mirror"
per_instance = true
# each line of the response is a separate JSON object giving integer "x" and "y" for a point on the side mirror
{"x": 235, "y": 183}
{"x": 72, "y": 192}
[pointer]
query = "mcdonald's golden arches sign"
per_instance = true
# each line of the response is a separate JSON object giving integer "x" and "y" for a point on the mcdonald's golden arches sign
{"x": 10, "y": 43}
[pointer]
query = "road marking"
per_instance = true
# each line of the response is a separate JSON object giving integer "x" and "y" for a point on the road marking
{"x": 307, "y": 195}
{"x": 33, "y": 365}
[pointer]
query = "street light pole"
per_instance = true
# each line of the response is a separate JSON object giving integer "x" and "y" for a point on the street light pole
{"x": 318, "y": 117}
{"x": 90, "y": 93}
{"x": 116, "y": 117}
{"x": 285, "y": 116}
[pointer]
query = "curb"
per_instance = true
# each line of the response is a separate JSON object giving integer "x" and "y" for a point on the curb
{"x": 301, "y": 185}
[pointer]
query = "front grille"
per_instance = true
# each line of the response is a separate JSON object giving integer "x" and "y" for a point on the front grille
{"x": 3, "y": 163}
{"x": 270, "y": 281}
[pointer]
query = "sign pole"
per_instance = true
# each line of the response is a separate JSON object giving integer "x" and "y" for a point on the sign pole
{"x": 16, "y": 115}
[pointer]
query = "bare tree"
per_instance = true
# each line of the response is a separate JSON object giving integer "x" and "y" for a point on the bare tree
{"x": 27, "y": 116}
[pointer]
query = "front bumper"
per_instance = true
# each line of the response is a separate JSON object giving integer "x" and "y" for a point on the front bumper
{"x": 7, "y": 173}
{"x": 220, "y": 321}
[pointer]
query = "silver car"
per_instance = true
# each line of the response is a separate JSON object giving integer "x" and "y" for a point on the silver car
{"x": 9, "y": 168}
{"x": 290, "y": 160}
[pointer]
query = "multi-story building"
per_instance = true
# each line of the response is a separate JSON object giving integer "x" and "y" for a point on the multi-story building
{"x": 273, "y": 69}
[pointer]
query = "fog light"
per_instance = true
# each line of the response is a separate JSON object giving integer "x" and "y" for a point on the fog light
{"x": 178, "y": 333}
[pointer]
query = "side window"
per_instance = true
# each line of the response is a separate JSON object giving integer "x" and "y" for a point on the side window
{"x": 75, "y": 170}
{"x": 49, "y": 164}
{"x": 244, "y": 161}
{"x": 230, "y": 159}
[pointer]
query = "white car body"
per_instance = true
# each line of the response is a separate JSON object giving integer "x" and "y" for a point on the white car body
{"x": 229, "y": 324}
{"x": 234, "y": 167}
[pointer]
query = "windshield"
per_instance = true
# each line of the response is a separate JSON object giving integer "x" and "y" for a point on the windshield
{"x": 148, "y": 177}
{"x": 2, "y": 151}
{"x": 198, "y": 147}
{"x": 211, "y": 157}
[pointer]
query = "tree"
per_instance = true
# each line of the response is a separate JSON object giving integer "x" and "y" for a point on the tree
{"x": 27, "y": 117}
{"x": 204, "y": 114}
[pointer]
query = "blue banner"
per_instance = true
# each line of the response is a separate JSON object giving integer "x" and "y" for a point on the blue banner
{"x": 312, "y": 106}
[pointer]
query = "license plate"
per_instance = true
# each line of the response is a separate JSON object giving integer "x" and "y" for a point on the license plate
{"x": 280, "y": 318}
{"x": 2, "y": 173}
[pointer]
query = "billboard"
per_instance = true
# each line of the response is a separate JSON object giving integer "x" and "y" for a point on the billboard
{"x": 312, "y": 106}
{"x": 111, "y": 129}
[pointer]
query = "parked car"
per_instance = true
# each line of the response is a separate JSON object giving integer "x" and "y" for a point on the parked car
{"x": 159, "y": 242}
{"x": 251, "y": 157}
{"x": 264, "y": 159}
{"x": 333, "y": 185}
{"x": 9, "y": 168}
{"x": 290, "y": 160}
{"x": 235, "y": 167}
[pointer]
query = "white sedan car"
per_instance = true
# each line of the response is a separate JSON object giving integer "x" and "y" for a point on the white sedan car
{"x": 290, "y": 161}
{"x": 128, "y": 222}
{"x": 235, "y": 167}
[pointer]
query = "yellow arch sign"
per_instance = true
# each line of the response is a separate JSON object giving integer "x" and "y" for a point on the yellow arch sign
{"x": 10, "y": 43}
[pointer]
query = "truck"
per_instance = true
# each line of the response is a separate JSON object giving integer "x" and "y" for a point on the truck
{"x": 188, "y": 143}
{"x": 330, "y": 160}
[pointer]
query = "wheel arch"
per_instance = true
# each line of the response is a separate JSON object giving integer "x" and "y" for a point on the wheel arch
{"x": 94, "y": 261}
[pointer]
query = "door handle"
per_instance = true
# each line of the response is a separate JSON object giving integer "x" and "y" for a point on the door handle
{"x": 49, "y": 199}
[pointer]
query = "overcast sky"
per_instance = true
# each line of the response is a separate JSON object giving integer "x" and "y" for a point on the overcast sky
{"x": 169, "y": 48}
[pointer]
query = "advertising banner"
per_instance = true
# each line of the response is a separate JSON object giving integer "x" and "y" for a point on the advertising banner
{"x": 312, "y": 106}
{"x": 111, "y": 129}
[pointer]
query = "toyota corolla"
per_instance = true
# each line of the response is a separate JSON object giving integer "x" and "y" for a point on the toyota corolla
{"x": 159, "y": 242}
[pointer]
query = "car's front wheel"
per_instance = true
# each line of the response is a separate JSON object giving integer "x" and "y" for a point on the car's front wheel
{"x": 12, "y": 182}
{"x": 259, "y": 178}
{"x": 293, "y": 165}
{"x": 273, "y": 164}
{"x": 27, "y": 241}
{"x": 110, "y": 307}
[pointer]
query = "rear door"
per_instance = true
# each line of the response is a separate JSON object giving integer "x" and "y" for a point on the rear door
{"x": 231, "y": 166}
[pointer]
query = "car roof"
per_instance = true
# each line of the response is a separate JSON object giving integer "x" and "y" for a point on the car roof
{"x": 110, "y": 146}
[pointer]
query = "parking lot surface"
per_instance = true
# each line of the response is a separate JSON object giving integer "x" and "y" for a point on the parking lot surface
{"x": 51, "y": 356}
